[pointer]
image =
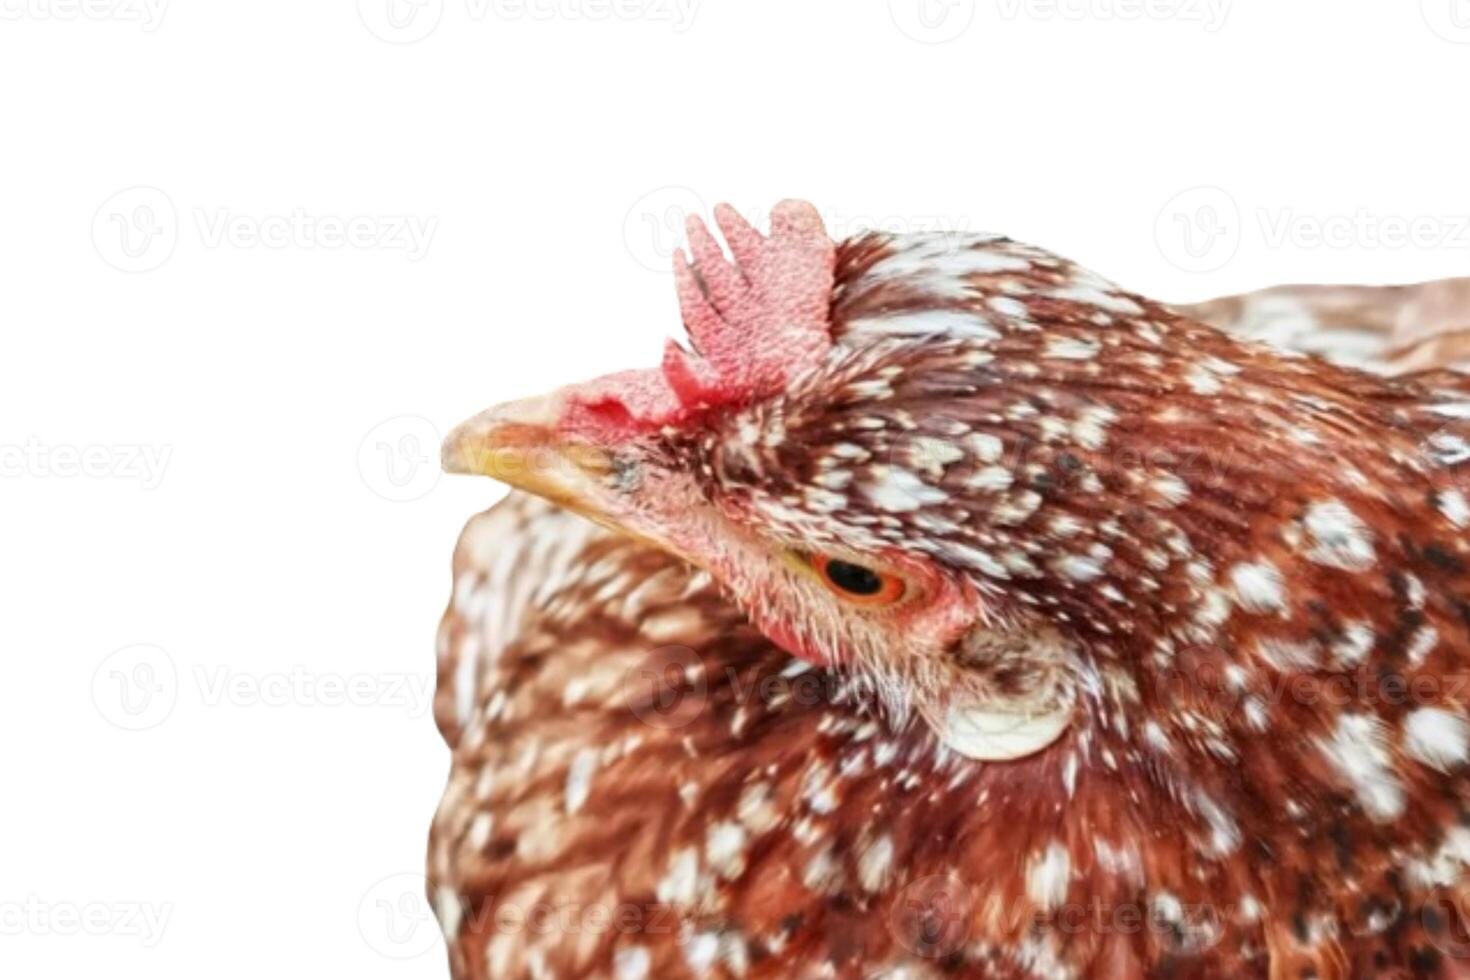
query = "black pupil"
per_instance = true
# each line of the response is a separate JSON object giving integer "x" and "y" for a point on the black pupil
{"x": 853, "y": 578}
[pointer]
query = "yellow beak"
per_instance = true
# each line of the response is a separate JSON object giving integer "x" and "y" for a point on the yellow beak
{"x": 519, "y": 443}
{"x": 522, "y": 444}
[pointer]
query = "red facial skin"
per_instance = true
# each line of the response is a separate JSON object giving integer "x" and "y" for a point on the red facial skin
{"x": 936, "y": 612}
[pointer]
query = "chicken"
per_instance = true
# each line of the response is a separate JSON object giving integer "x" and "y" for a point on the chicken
{"x": 946, "y": 611}
{"x": 1391, "y": 329}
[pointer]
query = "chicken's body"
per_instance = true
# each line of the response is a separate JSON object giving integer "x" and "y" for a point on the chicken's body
{"x": 636, "y": 805}
{"x": 1267, "y": 646}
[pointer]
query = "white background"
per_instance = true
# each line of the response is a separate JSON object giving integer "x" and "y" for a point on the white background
{"x": 225, "y": 543}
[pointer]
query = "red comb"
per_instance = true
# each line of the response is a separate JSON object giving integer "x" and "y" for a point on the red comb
{"x": 753, "y": 325}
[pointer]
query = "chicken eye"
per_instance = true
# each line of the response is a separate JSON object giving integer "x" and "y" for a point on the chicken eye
{"x": 858, "y": 583}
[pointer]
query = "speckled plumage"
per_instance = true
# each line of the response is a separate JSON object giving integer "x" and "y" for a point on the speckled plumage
{"x": 1240, "y": 573}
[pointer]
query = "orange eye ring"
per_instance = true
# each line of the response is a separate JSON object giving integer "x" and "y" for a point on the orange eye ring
{"x": 859, "y": 584}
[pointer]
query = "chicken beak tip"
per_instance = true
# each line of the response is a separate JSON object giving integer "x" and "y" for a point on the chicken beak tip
{"x": 521, "y": 444}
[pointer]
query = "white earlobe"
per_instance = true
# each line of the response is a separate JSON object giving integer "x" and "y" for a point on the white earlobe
{"x": 983, "y": 732}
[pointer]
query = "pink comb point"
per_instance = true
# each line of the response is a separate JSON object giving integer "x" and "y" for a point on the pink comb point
{"x": 753, "y": 324}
